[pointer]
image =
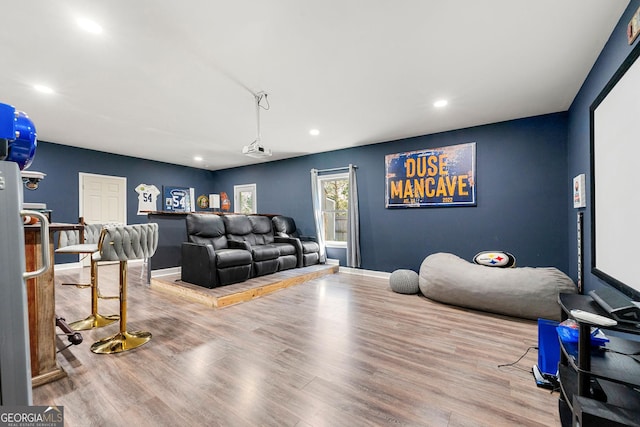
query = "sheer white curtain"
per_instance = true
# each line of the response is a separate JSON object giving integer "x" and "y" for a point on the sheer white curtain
{"x": 353, "y": 216}
{"x": 316, "y": 195}
{"x": 353, "y": 221}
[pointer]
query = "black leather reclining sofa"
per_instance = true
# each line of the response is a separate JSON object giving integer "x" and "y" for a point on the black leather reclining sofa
{"x": 269, "y": 253}
{"x": 285, "y": 226}
{"x": 226, "y": 249}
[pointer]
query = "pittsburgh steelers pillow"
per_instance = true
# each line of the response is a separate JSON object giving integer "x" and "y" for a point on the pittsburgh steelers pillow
{"x": 495, "y": 259}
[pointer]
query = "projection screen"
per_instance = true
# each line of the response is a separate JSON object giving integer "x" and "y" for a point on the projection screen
{"x": 615, "y": 183}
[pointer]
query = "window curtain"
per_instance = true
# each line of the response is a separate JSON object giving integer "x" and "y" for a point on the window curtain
{"x": 353, "y": 221}
{"x": 316, "y": 195}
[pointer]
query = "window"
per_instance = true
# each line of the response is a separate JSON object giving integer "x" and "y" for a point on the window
{"x": 244, "y": 199}
{"x": 334, "y": 205}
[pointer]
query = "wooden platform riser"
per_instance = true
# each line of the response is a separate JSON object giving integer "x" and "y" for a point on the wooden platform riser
{"x": 231, "y": 296}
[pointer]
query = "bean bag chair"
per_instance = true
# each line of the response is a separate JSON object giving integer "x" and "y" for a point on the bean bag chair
{"x": 525, "y": 292}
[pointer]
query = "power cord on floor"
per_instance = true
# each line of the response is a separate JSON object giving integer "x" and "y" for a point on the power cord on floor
{"x": 513, "y": 364}
{"x": 551, "y": 381}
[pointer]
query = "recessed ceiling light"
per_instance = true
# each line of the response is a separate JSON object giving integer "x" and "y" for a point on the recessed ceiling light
{"x": 197, "y": 158}
{"x": 440, "y": 103}
{"x": 43, "y": 88}
{"x": 89, "y": 25}
{"x": 314, "y": 132}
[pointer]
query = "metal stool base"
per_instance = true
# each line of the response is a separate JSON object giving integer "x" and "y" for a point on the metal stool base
{"x": 93, "y": 321}
{"x": 122, "y": 341}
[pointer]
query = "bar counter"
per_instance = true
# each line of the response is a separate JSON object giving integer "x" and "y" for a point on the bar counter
{"x": 42, "y": 305}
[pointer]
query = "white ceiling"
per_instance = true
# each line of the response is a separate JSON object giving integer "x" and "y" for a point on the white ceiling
{"x": 169, "y": 80}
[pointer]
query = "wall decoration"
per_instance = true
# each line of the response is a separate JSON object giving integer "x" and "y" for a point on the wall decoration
{"x": 214, "y": 201}
{"x": 225, "y": 202}
{"x": 147, "y": 196}
{"x": 633, "y": 29}
{"x": 177, "y": 199}
{"x": 579, "y": 197}
{"x": 203, "y": 201}
{"x": 442, "y": 176}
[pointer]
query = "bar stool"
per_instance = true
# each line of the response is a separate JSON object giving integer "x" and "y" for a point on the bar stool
{"x": 86, "y": 243}
{"x": 124, "y": 243}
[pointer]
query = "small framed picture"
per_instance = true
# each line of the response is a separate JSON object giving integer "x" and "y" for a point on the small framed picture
{"x": 579, "y": 197}
{"x": 203, "y": 201}
{"x": 633, "y": 29}
{"x": 214, "y": 201}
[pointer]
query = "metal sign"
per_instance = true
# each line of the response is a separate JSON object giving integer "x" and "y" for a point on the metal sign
{"x": 442, "y": 176}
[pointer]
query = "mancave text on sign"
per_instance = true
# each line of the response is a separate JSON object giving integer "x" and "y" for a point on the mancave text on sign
{"x": 442, "y": 176}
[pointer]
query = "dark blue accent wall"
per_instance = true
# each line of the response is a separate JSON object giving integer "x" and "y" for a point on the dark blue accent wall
{"x": 62, "y": 163}
{"x": 522, "y": 192}
{"x": 611, "y": 57}
{"x": 524, "y": 171}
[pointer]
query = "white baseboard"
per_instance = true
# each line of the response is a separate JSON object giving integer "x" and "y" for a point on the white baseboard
{"x": 362, "y": 272}
{"x": 359, "y": 271}
{"x": 166, "y": 271}
{"x": 68, "y": 266}
{"x": 74, "y": 265}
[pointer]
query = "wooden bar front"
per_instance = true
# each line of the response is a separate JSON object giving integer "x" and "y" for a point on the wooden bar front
{"x": 42, "y": 305}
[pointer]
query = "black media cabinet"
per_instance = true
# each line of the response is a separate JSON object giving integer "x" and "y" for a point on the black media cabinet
{"x": 598, "y": 386}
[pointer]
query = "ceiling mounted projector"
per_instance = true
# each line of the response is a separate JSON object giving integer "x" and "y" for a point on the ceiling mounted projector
{"x": 256, "y": 149}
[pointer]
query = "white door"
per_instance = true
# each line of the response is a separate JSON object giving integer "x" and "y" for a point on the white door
{"x": 103, "y": 199}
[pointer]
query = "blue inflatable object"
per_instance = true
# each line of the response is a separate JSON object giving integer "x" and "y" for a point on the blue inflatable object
{"x": 19, "y": 132}
{"x": 7, "y": 122}
{"x": 23, "y": 149}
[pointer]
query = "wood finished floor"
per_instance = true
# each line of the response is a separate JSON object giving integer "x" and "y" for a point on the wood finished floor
{"x": 341, "y": 350}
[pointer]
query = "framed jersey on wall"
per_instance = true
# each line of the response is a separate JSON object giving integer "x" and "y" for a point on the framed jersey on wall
{"x": 177, "y": 199}
{"x": 147, "y": 196}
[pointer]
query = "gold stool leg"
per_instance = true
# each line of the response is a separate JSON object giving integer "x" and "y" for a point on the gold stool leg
{"x": 94, "y": 320}
{"x": 123, "y": 340}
